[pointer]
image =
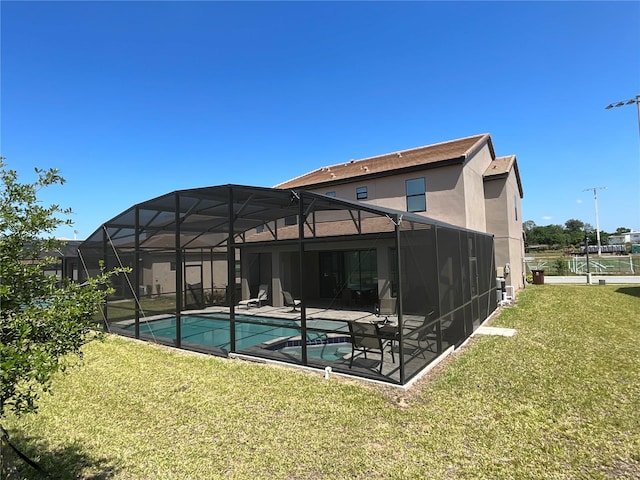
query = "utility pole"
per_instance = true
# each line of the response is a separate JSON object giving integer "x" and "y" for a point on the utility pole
{"x": 586, "y": 251}
{"x": 595, "y": 201}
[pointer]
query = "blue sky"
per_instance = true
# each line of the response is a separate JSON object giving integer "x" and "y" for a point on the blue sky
{"x": 131, "y": 100}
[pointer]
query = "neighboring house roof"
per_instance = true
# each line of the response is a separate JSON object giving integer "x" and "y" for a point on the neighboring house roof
{"x": 439, "y": 154}
{"x": 500, "y": 168}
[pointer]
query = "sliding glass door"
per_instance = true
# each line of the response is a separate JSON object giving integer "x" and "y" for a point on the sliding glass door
{"x": 351, "y": 276}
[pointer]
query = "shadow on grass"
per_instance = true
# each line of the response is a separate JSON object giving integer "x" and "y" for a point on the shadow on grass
{"x": 68, "y": 462}
{"x": 633, "y": 291}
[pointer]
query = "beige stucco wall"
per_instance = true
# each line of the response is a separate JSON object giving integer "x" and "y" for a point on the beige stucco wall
{"x": 455, "y": 193}
{"x": 458, "y": 194}
{"x": 445, "y": 192}
{"x": 474, "y": 205}
{"x": 159, "y": 272}
{"x": 504, "y": 220}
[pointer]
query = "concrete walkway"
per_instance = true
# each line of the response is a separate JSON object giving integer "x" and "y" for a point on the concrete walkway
{"x": 487, "y": 330}
{"x": 595, "y": 279}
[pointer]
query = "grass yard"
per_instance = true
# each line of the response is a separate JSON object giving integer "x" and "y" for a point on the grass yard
{"x": 560, "y": 400}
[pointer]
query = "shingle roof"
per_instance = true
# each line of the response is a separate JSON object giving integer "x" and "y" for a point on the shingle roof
{"x": 454, "y": 151}
{"x": 501, "y": 166}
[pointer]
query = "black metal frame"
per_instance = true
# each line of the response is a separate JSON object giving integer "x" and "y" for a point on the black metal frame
{"x": 231, "y": 218}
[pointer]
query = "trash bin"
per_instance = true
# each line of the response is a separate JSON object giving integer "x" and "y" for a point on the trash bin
{"x": 538, "y": 277}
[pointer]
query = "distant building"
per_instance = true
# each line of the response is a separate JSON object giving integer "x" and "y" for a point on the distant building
{"x": 629, "y": 237}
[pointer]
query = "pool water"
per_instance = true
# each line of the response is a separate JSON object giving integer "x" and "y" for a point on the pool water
{"x": 276, "y": 334}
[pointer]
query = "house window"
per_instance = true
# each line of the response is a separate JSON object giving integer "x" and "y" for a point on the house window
{"x": 291, "y": 220}
{"x": 515, "y": 206}
{"x": 416, "y": 195}
{"x": 331, "y": 194}
{"x": 361, "y": 193}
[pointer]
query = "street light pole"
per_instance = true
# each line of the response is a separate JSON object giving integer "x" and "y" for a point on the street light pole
{"x": 628, "y": 102}
{"x": 595, "y": 201}
{"x": 631, "y": 101}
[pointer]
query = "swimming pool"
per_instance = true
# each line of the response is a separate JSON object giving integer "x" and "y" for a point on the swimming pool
{"x": 269, "y": 333}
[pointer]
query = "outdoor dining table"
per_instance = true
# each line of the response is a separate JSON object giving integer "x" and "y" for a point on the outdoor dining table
{"x": 388, "y": 331}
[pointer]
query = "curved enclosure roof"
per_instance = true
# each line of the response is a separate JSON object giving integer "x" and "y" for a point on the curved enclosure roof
{"x": 198, "y": 256}
{"x": 205, "y": 217}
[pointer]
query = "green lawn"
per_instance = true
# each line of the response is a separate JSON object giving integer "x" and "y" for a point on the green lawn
{"x": 560, "y": 400}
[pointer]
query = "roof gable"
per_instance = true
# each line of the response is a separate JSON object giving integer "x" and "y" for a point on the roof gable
{"x": 500, "y": 168}
{"x": 450, "y": 152}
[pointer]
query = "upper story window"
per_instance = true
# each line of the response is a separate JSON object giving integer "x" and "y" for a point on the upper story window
{"x": 291, "y": 220}
{"x": 331, "y": 194}
{"x": 361, "y": 193}
{"x": 416, "y": 195}
{"x": 515, "y": 206}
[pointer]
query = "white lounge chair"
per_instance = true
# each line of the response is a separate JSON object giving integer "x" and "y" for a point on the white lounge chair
{"x": 263, "y": 295}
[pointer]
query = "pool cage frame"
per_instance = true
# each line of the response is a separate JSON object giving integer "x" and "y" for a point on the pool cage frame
{"x": 443, "y": 278}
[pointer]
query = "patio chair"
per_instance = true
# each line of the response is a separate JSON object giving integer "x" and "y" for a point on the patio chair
{"x": 289, "y": 301}
{"x": 386, "y": 307}
{"x": 263, "y": 295}
{"x": 365, "y": 337}
{"x": 425, "y": 337}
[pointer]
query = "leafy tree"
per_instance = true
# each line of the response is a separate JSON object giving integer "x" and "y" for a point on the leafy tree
{"x": 574, "y": 225}
{"x": 572, "y": 233}
{"x": 42, "y": 318}
{"x": 547, "y": 235}
{"x": 556, "y": 235}
{"x": 528, "y": 225}
{"x": 574, "y": 230}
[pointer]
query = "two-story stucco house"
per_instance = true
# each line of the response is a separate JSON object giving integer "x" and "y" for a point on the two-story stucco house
{"x": 460, "y": 182}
